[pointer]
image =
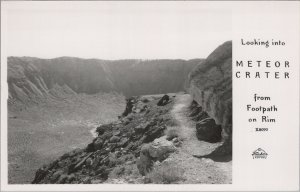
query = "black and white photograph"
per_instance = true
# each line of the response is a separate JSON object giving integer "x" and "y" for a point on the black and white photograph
{"x": 119, "y": 94}
{"x": 149, "y": 96}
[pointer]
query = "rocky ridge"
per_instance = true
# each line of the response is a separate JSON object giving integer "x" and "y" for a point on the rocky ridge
{"x": 117, "y": 148}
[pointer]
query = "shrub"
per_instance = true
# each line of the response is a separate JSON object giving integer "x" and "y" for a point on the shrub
{"x": 117, "y": 172}
{"x": 172, "y": 132}
{"x": 166, "y": 173}
{"x": 172, "y": 123}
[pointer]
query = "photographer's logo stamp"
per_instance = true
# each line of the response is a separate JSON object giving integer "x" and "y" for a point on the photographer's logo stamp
{"x": 259, "y": 154}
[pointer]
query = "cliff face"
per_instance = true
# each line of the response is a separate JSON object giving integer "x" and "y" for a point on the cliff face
{"x": 31, "y": 79}
{"x": 211, "y": 87}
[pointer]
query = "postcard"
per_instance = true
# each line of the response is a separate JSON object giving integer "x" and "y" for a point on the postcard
{"x": 150, "y": 95}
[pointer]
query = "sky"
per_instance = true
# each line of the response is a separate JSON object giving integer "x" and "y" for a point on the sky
{"x": 115, "y": 30}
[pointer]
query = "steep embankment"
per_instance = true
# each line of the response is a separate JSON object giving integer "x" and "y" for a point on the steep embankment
{"x": 153, "y": 142}
{"x": 114, "y": 153}
{"x": 177, "y": 138}
{"x": 41, "y": 133}
{"x": 30, "y": 80}
{"x": 211, "y": 89}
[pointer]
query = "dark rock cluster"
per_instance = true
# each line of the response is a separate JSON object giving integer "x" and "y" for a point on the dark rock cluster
{"x": 210, "y": 85}
{"x": 206, "y": 127}
{"x": 118, "y": 144}
{"x": 164, "y": 100}
{"x": 208, "y": 130}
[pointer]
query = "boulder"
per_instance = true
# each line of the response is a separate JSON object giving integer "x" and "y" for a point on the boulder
{"x": 114, "y": 139}
{"x": 202, "y": 115}
{"x": 176, "y": 142}
{"x": 145, "y": 100}
{"x": 101, "y": 129}
{"x": 98, "y": 143}
{"x": 116, "y": 132}
{"x": 96, "y": 161}
{"x": 90, "y": 148}
{"x": 129, "y": 105}
{"x": 89, "y": 162}
{"x": 139, "y": 107}
{"x": 210, "y": 84}
{"x": 123, "y": 142}
{"x": 153, "y": 133}
{"x": 111, "y": 147}
{"x": 143, "y": 127}
{"x": 163, "y": 101}
{"x": 62, "y": 179}
{"x": 208, "y": 130}
{"x": 158, "y": 150}
{"x": 106, "y": 135}
{"x": 195, "y": 110}
{"x": 56, "y": 176}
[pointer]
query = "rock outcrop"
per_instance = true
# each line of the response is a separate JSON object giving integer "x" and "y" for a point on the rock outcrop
{"x": 133, "y": 142}
{"x": 158, "y": 150}
{"x": 208, "y": 130}
{"x": 211, "y": 87}
{"x": 163, "y": 101}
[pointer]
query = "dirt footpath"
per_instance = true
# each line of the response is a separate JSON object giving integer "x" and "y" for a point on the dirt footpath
{"x": 197, "y": 170}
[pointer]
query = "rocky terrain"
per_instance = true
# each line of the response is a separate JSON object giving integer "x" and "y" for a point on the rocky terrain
{"x": 163, "y": 139}
{"x": 116, "y": 149}
{"x": 210, "y": 84}
{"x": 54, "y": 105}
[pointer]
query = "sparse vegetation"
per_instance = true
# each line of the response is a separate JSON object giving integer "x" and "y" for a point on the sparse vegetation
{"x": 172, "y": 132}
{"x": 172, "y": 123}
{"x": 166, "y": 173}
{"x": 117, "y": 171}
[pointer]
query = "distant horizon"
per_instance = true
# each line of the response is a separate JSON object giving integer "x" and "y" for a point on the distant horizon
{"x": 152, "y": 59}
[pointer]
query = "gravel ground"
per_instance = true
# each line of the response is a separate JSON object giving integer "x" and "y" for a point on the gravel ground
{"x": 197, "y": 170}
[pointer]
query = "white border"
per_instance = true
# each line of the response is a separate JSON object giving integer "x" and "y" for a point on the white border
{"x": 117, "y": 187}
